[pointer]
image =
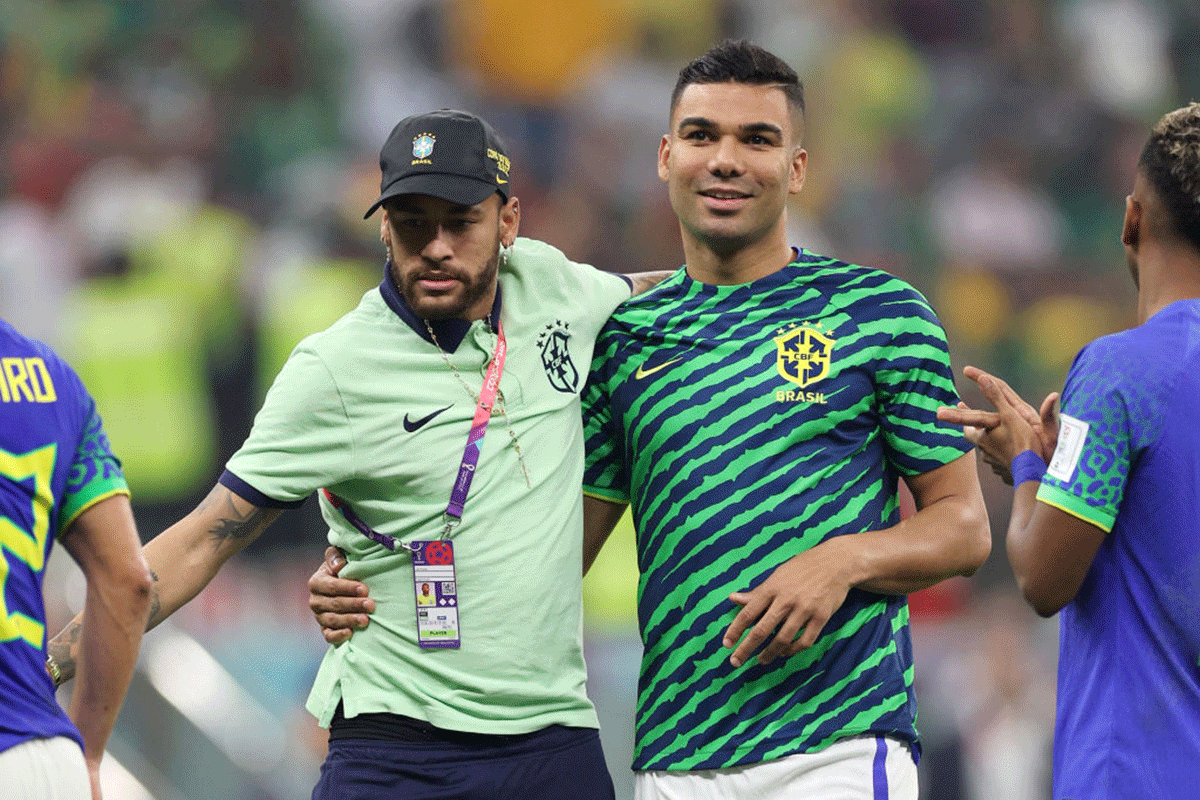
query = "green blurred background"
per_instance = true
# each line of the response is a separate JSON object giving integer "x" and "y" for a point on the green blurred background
{"x": 181, "y": 193}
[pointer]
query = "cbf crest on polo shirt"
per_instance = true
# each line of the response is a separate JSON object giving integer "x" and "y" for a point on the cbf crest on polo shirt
{"x": 554, "y": 343}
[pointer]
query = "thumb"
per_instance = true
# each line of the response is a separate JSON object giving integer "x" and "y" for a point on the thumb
{"x": 334, "y": 559}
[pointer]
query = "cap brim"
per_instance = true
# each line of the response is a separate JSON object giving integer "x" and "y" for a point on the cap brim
{"x": 453, "y": 188}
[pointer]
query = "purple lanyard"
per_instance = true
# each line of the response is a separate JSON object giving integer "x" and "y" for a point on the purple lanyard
{"x": 466, "y": 470}
{"x": 483, "y": 413}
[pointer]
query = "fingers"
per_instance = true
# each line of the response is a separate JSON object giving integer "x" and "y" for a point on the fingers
{"x": 752, "y": 607}
{"x": 771, "y": 617}
{"x": 335, "y": 559}
{"x": 969, "y": 416}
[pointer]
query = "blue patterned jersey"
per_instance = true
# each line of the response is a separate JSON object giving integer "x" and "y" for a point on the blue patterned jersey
{"x": 746, "y": 424}
{"x": 55, "y": 463}
{"x": 1128, "y": 461}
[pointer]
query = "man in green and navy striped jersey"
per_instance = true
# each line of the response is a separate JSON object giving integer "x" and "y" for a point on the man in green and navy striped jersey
{"x": 757, "y": 411}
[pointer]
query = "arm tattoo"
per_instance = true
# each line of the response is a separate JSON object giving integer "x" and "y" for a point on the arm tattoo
{"x": 234, "y": 524}
{"x": 155, "y": 602}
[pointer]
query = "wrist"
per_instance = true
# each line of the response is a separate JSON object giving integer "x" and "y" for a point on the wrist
{"x": 1027, "y": 466}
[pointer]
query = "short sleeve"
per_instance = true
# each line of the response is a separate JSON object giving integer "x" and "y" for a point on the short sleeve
{"x": 301, "y": 440}
{"x": 913, "y": 378}
{"x": 95, "y": 472}
{"x": 605, "y": 474}
{"x": 1105, "y": 422}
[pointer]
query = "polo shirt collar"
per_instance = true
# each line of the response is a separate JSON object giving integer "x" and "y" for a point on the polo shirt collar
{"x": 449, "y": 332}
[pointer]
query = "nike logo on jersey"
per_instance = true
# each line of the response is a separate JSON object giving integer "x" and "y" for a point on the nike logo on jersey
{"x": 643, "y": 371}
{"x": 412, "y": 426}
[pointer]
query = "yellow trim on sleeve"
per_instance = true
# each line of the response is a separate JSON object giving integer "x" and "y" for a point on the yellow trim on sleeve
{"x": 1077, "y": 515}
{"x": 597, "y": 495}
{"x": 98, "y": 498}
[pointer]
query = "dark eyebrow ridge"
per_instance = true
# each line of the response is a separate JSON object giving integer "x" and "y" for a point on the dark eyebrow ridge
{"x": 754, "y": 127}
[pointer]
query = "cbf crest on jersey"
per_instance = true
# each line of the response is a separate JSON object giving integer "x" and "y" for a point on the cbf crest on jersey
{"x": 803, "y": 353}
{"x": 556, "y": 356}
{"x": 423, "y": 146}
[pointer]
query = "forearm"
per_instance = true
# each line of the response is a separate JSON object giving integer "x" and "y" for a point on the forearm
{"x": 1020, "y": 545}
{"x": 114, "y": 619}
{"x": 182, "y": 561}
{"x": 947, "y": 538}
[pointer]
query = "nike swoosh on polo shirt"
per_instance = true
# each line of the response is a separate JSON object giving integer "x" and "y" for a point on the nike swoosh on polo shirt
{"x": 412, "y": 426}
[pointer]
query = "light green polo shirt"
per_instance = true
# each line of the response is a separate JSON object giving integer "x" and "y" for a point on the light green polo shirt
{"x": 336, "y": 417}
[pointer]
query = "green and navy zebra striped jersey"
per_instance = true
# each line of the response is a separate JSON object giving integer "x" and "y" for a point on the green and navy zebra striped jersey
{"x": 55, "y": 463}
{"x": 746, "y": 424}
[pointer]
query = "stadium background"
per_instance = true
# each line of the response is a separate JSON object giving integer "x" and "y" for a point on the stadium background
{"x": 181, "y": 188}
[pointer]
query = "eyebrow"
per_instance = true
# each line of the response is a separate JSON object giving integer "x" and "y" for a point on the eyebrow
{"x": 753, "y": 127}
{"x": 403, "y": 207}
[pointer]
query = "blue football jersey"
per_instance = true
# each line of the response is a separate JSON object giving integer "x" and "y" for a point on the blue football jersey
{"x": 1128, "y": 461}
{"x": 55, "y": 463}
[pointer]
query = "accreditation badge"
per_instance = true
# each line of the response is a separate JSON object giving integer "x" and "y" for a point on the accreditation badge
{"x": 437, "y": 594}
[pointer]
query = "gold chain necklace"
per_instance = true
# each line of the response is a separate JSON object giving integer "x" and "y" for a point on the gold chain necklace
{"x": 475, "y": 397}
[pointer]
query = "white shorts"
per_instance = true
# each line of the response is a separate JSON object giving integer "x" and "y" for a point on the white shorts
{"x": 45, "y": 769}
{"x": 862, "y": 768}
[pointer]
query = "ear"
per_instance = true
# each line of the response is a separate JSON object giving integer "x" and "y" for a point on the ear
{"x": 664, "y": 154}
{"x": 1131, "y": 232}
{"x": 510, "y": 221}
{"x": 799, "y": 170}
{"x": 385, "y": 232}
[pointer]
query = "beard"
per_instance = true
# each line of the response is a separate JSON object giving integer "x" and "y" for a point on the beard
{"x": 447, "y": 305}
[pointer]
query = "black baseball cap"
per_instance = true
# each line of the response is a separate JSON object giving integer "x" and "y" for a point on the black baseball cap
{"x": 449, "y": 154}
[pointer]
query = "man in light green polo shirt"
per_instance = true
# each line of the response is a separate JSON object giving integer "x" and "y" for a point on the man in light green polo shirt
{"x": 440, "y": 423}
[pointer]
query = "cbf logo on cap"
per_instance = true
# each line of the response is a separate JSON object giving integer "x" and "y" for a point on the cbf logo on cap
{"x": 423, "y": 145}
{"x": 452, "y": 155}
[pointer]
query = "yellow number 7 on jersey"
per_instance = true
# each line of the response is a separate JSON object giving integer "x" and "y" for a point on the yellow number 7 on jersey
{"x": 28, "y": 546}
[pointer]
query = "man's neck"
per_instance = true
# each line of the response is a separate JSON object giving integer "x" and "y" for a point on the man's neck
{"x": 1167, "y": 274}
{"x": 743, "y": 265}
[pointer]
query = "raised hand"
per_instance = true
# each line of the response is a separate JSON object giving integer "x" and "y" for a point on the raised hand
{"x": 1013, "y": 427}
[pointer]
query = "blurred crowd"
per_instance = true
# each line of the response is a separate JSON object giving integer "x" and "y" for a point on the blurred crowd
{"x": 182, "y": 185}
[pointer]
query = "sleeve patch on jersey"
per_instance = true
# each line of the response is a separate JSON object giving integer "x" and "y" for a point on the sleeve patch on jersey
{"x": 1072, "y": 433}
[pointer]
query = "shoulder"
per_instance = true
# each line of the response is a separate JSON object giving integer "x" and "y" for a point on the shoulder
{"x": 39, "y": 361}
{"x": 865, "y": 293}
{"x": 533, "y": 259}
{"x": 1145, "y": 360}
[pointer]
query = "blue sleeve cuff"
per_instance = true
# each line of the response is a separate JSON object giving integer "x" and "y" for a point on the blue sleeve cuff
{"x": 251, "y": 495}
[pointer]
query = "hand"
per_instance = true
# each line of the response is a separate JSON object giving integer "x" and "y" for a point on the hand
{"x": 340, "y": 605}
{"x": 802, "y": 593}
{"x": 1015, "y": 426}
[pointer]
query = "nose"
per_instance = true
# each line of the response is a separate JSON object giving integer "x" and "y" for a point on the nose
{"x": 726, "y": 157}
{"x": 438, "y": 248}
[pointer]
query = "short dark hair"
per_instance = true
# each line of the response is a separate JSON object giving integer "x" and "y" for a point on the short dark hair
{"x": 1171, "y": 162}
{"x": 742, "y": 62}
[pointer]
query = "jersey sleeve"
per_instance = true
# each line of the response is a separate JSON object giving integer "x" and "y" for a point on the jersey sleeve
{"x": 301, "y": 440}
{"x": 914, "y": 378}
{"x": 605, "y": 474}
{"x": 1109, "y": 415}
{"x": 95, "y": 472}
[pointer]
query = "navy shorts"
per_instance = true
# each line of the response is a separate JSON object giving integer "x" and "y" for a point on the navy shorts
{"x": 551, "y": 764}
